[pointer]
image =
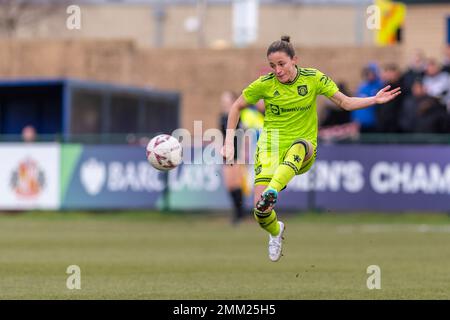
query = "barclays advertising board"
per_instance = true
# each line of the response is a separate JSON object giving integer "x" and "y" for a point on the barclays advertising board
{"x": 344, "y": 178}
{"x": 119, "y": 177}
{"x": 94, "y": 177}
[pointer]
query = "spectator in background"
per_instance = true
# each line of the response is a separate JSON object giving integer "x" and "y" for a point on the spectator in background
{"x": 388, "y": 114}
{"x": 336, "y": 124}
{"x": 437, "y": 82}
{"x": 29, "y": 134}
{"x": 408, "y": 116}
{"x": 334, "y": 115}
{"x": 252, "y": 117}
{"x": 233, "y": 174}
{"x": 422, "y": 113}
{"x": 368, "y": 88}
{"x": 416, "y": 70}
{"x": 446, "y": 61}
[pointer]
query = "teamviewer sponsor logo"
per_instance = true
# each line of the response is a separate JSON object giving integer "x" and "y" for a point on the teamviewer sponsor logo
{"x": 93, "y": 176}
{"x": 275, "y": 109}
{"x": 294, "y": 109}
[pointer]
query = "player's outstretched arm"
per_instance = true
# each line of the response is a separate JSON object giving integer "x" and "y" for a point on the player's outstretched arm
{"x": 233, "y": 119}
{"x": 355, "y": 103}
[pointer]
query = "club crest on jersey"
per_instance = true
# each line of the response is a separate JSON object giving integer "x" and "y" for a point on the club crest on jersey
{"x": 302, "y": 90}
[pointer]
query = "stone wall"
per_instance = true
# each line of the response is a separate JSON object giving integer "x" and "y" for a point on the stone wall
{"x": 308, "y": 25}
{"x": 425, "y": 29}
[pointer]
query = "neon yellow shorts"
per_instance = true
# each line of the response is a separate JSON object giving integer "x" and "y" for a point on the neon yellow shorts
{"x": 266, "y": 162}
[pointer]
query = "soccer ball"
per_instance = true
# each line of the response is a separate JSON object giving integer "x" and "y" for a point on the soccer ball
{"x": 164, "y": 152}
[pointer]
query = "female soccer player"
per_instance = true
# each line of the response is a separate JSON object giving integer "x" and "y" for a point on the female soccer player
{"x": 288, "y": 142}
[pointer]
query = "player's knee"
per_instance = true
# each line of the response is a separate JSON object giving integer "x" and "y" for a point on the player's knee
{"x": 295, "y": 154}
{"x": 304, "y": 147}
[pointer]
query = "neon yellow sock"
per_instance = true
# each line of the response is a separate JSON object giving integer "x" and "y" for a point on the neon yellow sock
{"x": 287, "y": 170}
{"x": 268, "y": 221}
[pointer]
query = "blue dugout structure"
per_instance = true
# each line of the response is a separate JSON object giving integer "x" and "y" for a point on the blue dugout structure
{"x": 70, "y": 109}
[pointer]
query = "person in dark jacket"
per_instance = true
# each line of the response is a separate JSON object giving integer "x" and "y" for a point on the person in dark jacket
{"x": 422, "y": 113}
{"x": 415, "y": 70}
{"x": 389, "y": 113}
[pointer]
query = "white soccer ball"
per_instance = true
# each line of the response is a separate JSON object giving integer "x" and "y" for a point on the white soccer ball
{"x": 164, "y": 152}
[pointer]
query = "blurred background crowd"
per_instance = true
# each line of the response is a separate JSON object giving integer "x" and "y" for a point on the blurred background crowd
{"x": 423, "y": 107}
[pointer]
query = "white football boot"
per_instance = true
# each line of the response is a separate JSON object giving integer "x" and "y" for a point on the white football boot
{"x": 276, "y": 244}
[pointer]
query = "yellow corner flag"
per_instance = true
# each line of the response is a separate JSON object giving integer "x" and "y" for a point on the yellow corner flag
{"x": 392, "y": 18}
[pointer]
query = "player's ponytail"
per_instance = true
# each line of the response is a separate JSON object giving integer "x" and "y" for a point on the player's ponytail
{"x": 286, "y": 38}
{"x": 283, "y": 45}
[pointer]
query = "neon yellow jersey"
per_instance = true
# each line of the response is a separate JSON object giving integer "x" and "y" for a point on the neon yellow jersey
{"x": 290, "y": 108}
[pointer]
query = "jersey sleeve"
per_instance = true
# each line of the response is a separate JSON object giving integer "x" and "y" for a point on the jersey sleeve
{"x": 326, "y": 86}
{"x": 254, "y": 92}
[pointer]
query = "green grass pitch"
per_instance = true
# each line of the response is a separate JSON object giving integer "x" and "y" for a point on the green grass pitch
{"x": 148, "y": 255}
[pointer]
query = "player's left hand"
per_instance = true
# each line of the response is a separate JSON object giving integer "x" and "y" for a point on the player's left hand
{"x": 386, "y": 95}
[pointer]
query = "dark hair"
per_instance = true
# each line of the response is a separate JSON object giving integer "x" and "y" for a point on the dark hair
{"x": 366, "y": 71}
{"x": 391, "y": 67}
{"x": 343, "y": 88}
{"x": 418, "y": 80}
{"x": 432, "y": 61}
{"x": 283, "y": 45}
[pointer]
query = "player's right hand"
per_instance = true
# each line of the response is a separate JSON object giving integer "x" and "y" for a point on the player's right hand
{"x": 227, "y": 152}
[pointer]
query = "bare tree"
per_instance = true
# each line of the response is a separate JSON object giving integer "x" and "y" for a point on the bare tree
{"x": 19, "y": 13}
